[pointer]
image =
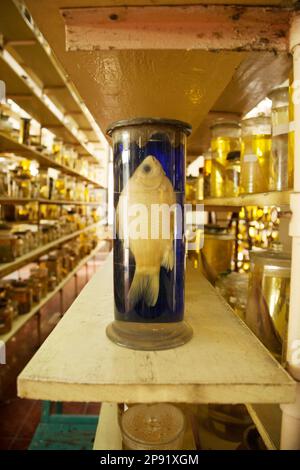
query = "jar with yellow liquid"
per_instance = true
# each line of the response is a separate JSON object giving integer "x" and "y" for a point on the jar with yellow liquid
{"x": 225, "y": 139}
{"x": 232, "y": 174}
{"x": 281, "y": 163}
{"x": 268, "y": 299}
{"x": 207, "y": 174}
{"x": 255, "y": 154}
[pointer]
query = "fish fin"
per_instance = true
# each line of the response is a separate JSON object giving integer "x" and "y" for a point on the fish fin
{"x": 144, "y": 286}
{"x": 168, "y": 259}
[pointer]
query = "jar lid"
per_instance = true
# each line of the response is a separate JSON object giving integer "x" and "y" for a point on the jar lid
{"x": 233, "y": 156}
{"x": 272, "y": 260}
{"x": 153, "y": 424}
{"x": 184, "y": 126}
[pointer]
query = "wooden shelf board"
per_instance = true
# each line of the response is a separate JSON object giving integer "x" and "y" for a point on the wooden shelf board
{"x": 11, "y": 200}
{"x": 223, "y": 363}
{"x": 267, "y": 419}
{"x": 6, "y": 268}
{"x": 9, "y": 145}
{"x": 272, "y": 198}
{"x": 22, "y": 319}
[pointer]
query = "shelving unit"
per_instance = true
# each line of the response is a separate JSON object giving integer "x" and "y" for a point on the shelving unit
{"x": 9, "y": 145}
{"x": 22, "y": 319}
{"x": 43, "y": 84}
{"x": 6, "y": 268}
{"x": 223, "y": 363}
{"x": 57, "y": 202}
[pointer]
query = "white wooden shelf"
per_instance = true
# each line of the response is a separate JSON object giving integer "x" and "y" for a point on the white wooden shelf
{"x": 22, "y": 319}
{"x": 223, "y": 363}
{"x": 11, "y": 200}
{"x": 267, "y": 419}
{"x": 272, "y": 198}
{"x": 10, "y": 145}
{"x": 6, "y": 268}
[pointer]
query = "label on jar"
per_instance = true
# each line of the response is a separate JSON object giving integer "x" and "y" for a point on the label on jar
{"x": 292, "y": 126}
{"x": 250, "y": 158}
{"x": 280, "y": 129}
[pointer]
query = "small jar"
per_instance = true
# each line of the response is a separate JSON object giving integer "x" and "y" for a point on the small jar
{"x": 281, "y": 163}
{"x": 52, "y": 282}
{"x": 153, "y": 427}
{"x": 232, "y": 174}
{"x": 41, "y": 273}
{"x": 225, "y": 139}
{"x": 255, "y": 155}
{"x": 8, "y": 250}
{"x": 37, "y": 289}
{"x": 207, "y": 174}
{"x": 217, "y": 240}
{"x": 22, "y": 293}
{"x": 191, "y": 189}
{"x": 6, "y": 316}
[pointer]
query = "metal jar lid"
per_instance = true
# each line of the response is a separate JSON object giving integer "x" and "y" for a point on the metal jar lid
{"x": 183, "y": 126}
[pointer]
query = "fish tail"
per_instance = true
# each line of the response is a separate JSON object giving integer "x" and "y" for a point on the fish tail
{"x": 144, "y": 286}
{"x": 168, "y": 259}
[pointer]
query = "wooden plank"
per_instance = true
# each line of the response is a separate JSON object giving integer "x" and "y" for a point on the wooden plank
{"x": 108, "y": 435}
{"x": 22, "y": 319}
{"x": 272, "y": 198}
{"x": 223, "y": 363}
{"x": 267, "y": 419}
{"x": 6, "y": 268}
{"x": 206, "y": 27}
{"x": 10, "y": 145}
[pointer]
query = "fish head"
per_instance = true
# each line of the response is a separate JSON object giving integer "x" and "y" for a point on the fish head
{"x": 150, "y": 173}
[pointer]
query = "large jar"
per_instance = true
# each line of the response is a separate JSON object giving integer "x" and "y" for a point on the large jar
{"x": 149, "y": 247}
{"x": 268, "y": 299}
{"x": 281, "y": 163}
{"x": 255, "y": 154}
{"x": 225, "y": 139}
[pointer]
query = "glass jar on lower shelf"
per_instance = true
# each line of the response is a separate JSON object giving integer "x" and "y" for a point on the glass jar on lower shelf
{"x": 6, "y": 316}
{"x": 153, "y": 427}
{"x": 255, "y": 155}
{"x": 225, "y": 139}
{"x": 281, "y": 161}
{"x": 22, "y": 293}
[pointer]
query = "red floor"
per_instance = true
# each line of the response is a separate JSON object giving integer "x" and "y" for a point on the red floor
{"x": 19, "y": 417}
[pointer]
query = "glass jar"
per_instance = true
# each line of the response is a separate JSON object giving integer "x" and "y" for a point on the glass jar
{"x": 216, "y": 241}
{"x": 37, "y": 289}
{"x": 191, "y": 189}
{"x": 225, "y": 139}
{"x": 25, "y": 131}
{"x": 149, "y": 181}
{"x": 52, "y": 282}
{"x": 22, "y": 293}
{"x": 268, "y": 299}
{"x": 152, "y": 427}
{"x": 8, "y": 249}
{"x": 6, "y": 316}
{"x": 281, "y": 165}
{"x": 207, "y": 174}
{"x": 232, "y": 174}
{"x": 255, "y": 155}
{"x": 41, "y": 274}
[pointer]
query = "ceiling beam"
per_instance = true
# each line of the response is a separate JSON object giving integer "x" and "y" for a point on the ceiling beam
{"x": 206, "y": 27}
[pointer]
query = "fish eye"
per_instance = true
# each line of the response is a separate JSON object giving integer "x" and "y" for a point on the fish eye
{"x": 146, "y": 168}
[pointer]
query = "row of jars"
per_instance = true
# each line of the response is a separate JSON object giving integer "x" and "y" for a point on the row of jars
{"x": 17, "y": 297}
{"x": 254, "y": 156}
{"x": 61, "y": 153}
{"x": 16, "y": 241}
{"x": 19, "y": 182}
